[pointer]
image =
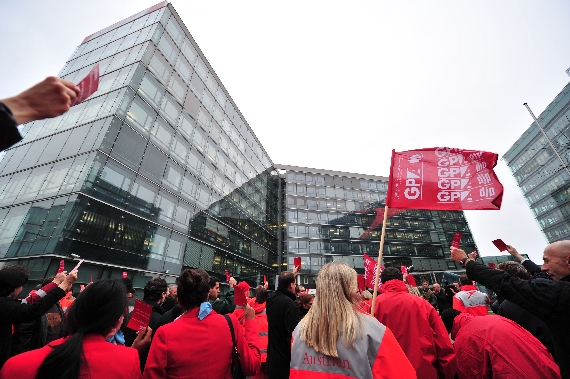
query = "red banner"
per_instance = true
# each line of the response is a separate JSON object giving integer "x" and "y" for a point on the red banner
{"x": 443, "y": 178}
{"x": 370, "y": 266}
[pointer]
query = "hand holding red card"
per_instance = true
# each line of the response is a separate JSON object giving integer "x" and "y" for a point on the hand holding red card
{"x": 140, "y": 316}
{"x": 500, "y": 244}
{"x": 240, "y": 290}
{"x": 456, "y": 239}
{"x": 87, "y": 86}
{"x": 297, "y": 262}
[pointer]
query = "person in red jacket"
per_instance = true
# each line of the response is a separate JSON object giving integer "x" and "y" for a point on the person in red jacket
{"x": 470, "y": 299}
{"x": 498, "y": 348}
{"x": 336, "y": 340}
{"x": 93, "y": 318}
{"x": 199, "y": 343}
{"x": 417, "y": 327}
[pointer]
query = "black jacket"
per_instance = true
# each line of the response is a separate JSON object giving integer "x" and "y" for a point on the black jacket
{"x": 443, "y": 301}
{"x": 225, "y": 305}
{"x": 282, "y": 318}
{"x": 9, "y": 134}
{"x": 547, "y": 300}
{"x": 131, "y": 335}
{"x": 14, "y": 312}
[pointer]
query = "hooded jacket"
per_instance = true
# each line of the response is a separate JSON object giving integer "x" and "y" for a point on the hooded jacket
{"x": 418, "y": 329}
{"x": 471, "y": 300}
{"x": 496, "y": 347}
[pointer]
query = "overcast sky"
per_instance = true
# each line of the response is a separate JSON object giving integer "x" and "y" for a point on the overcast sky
{"x": 337, "y": 85}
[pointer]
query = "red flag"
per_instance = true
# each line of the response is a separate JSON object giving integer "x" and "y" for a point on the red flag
{"x": 378, "y": 219}
{"x": 370, "y": 266}
{"x": 500, "y": 244}
{"x": 361, "y": 281}
{"x": 444, "y": 178}
{"x": 61, "y": 266}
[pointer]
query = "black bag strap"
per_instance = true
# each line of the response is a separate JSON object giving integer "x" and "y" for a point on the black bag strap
{"x": 232, "y": 332}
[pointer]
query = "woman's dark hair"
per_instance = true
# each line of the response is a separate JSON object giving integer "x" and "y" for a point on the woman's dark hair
{"x": 154, "y": 289}
{"x": 305, "y": 299}
{"x": 261, "y": 294}
{"x": 193, "y": 288}
{"x": 96, "y": 310}
{"x": 12, "y": 277}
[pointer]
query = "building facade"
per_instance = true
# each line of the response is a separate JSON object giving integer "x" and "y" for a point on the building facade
{"x": 541, "y": 172}
{"x": 156, "y": 171}
{"x": 331, "y": 215}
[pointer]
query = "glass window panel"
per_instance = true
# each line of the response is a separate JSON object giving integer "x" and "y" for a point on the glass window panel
{"x": 145, "y": 34}
{"x": 170, "y": 109}
{"x": 162, "y": 133}
{"x": 153, "y": 163}
{"x": 180, "y": 149}
{"x": 207, "y": 100}
{"x": 118, "y": 61}
{"x": 175, "y": 30}
{"x": 55, "y": 145}
{"x": 184, "y": 68}
{"x": 211, "y": 83}
{"x": 188, "y": 50}
{"x": 144, "y": 192}
{"x": 166, "y": 205}
{"x": 97, "y": 128}
{"x": 129, "y": 41}
{"x": 37, "y": 148}
{"x": 33, "y": 183}
{"x": 151, "y": 90}
{"x": 178, "y": 88}
{"x": 173, "y": 176}
{"x": 168, "y": 48}
{"x": 186, "y": 125}
{"x": 92, "y": 109}
{"x": 160, "y": 67}
{"x": 140, "y": 115}
{"x": 207, "y": 174}
{"x": 203, "y": 197}
{"x": 199, "y": 141}
{"x": 139, "y": 23}
{"x": 221, "y": 97}
{"x": 183, "y": 215}
{"x": 195, "y": 162}
{"x": 54, "y": 179}
{"x": 106, "y": 82}
{"x": 129, "y": 147}
{"x": 17, "y": 154}
{"x": 201, "y": 69}
{"x": 189, "y": 186}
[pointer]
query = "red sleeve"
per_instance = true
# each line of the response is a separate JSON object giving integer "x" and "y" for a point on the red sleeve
{"x": 156, "y": 362}
{"x": 391, "y": 362}
{"x": 247, "y": 342}
{"x": 446, "y": 363}
{"x": 458, "y": 304}
{"x": 37, "y": 295}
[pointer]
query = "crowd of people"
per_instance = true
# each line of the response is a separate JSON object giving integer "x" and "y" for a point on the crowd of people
{"x": 409, "y": 332}
{"x": 193, "y": 332}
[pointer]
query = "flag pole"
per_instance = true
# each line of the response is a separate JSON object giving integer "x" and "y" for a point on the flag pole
{"x": 379, "y": 261}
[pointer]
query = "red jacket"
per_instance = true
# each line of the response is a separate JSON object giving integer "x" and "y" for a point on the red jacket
{"x": 471, "y": 300}
{"x": 192, "y": 348}
{"x": 496, "y": 347}
{"x": 104, "y": 360}
{"x": 375, "y": 356}
{"x": 418, "y": 329}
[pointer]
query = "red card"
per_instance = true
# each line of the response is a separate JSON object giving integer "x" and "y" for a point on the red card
{"x": 500, "y": 244}
{"x": 61, "y": 266}
{"x": 360, "y": 281}
{"x": 87, "y": 86}
{"x": 81, "y": 287}
{"x": 264, "y": 279}
{"x": 404, "y": 270}
{"x": 228, "y": 277}
{"x": 411, "y": 280}
{"x": 492, "y": 265}
{"x": 297, "y": 262}
{"x": 125, "y": 275}
{"x": 90, "y": 278}
{"x": 239, "y": 294}
{"x": 77, "y": 266}
{"x": 140, "y": 316}
{"x": 456, "y": 239}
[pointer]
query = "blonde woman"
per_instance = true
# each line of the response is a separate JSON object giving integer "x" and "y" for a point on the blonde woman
{"x": 335, "y": 339}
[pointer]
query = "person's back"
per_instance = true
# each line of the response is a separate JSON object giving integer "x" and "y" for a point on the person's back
{"x": 95, "y": 316}
{"x": 416, "y": 326}
{"x": 338, "y": 341}
{"x": 282, "y": 317}
{"x": 470, "y": 299}
{"x": 498, "y": 348}
{"x": 199, "y": 343}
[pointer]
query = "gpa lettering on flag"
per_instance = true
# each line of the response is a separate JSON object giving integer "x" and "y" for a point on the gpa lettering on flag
{"x": 443, "y": 178}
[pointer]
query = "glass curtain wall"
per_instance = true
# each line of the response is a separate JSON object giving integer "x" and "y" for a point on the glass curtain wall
{"x": 156, "y": 171}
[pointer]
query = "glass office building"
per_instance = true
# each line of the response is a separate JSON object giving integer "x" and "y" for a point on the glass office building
{"x": 541, "y": 172}
{"x": 330, "y": 215}
{"x": 156, "y": 171}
